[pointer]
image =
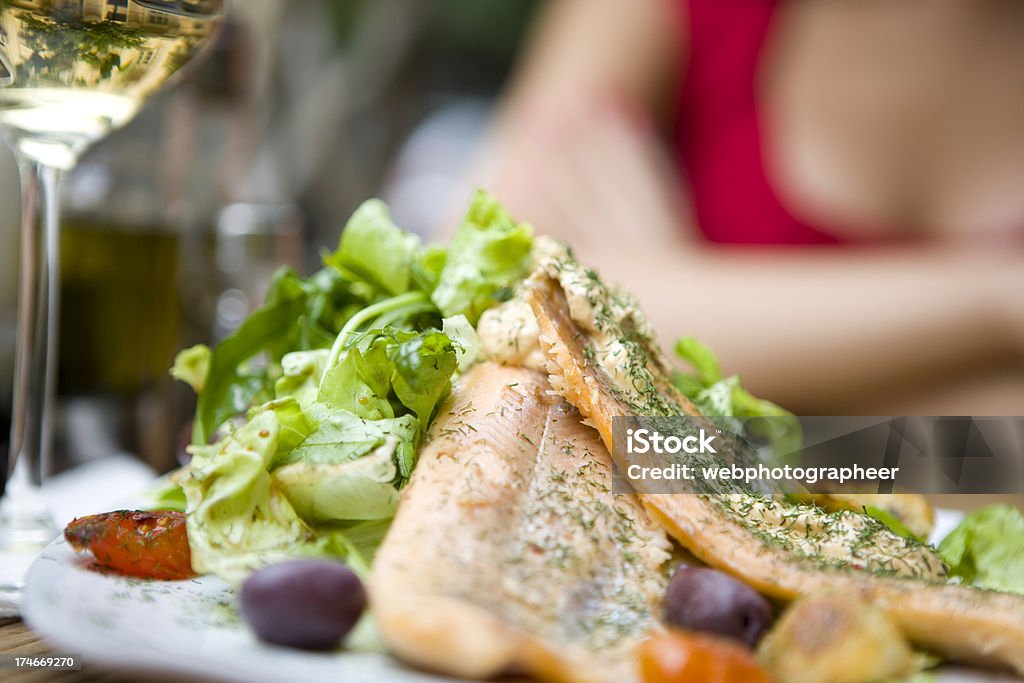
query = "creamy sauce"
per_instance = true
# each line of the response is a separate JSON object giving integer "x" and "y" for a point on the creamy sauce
{"x": 620, "y": 339}
{"x": 509, "y": 335}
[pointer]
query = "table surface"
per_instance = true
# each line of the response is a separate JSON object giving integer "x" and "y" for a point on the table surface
{"x": 16, "y": 638}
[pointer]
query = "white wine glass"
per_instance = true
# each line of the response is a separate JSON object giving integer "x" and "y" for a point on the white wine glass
{"x": 71, "y": 71}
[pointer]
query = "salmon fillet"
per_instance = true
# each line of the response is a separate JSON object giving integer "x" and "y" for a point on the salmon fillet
{"x": 509, "y": 552}
{"x": 782, "y": 550}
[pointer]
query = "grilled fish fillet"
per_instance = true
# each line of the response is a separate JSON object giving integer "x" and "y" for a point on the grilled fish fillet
{"x": 782, "y": 550}
{"x": 509, "y": 552}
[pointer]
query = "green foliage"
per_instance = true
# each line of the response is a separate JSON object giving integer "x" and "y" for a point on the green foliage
{"x": 344, "y": 371}
{"x": 724, "y": 397}
{"x": 987, "y": 549}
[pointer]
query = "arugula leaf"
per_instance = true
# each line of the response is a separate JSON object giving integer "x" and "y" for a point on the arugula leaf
{"x": 298, "y": 315}
{"x": 489, "y": 254}
{"x": 399, "y": 310}
{"x": 231, "y": 384}
{"x": 331, "y": 300}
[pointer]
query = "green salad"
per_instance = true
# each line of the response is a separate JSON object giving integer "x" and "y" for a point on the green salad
{"x": 987, "y": 549}
{"x": 309, "y": 417}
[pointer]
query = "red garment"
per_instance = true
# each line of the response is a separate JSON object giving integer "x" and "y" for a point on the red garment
{"x": 718, "y": 129}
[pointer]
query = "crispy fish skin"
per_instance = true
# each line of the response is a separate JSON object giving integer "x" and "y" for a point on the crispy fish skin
{"x": 961, "y": 622}
{"x": 509, "y": 552}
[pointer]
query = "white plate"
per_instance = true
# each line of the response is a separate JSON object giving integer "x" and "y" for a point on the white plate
{"x": 181, "y": 627}
{"x": 192, "y": 627}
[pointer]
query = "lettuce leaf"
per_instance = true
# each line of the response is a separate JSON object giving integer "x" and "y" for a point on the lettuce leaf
{"x": 702, "y": 358}
{"x": 376, "y": 249}
{"x": 718, "y": 396}
{"x": 165, "y": 494}
{"x": 341, "y": 437}
{"x": 489, "y": 254}
{"x": 467, "y": 344}
{"x": 360, "y": 489}
{"x": 357, "y": 542}
{"x": 354, "y": 385}
{"x": 987, "y": 549}
{"x": 237, "y": 520}
{"x": 300, "y": 375}
{"x": 192, "y": 366}
{"x": 302, "y": 461}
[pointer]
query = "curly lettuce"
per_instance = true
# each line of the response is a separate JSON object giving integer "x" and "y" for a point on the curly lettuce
{"x": 310, "y": 415}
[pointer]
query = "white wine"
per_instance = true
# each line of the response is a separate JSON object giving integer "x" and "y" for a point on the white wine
{"x": 72, "y": 70}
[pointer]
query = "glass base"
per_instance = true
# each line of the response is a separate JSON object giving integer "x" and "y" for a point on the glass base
{"x": 26, "y": 527}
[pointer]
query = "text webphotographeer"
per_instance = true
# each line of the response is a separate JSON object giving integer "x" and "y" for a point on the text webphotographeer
{"x": 810, "y": 475}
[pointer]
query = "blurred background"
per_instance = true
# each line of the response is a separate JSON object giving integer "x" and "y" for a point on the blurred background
{"x": 305, "y": 108}
{"x": 174, "y": 224}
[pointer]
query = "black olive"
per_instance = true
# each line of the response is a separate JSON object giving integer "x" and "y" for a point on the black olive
{"x": 309, "y": 604}
{"x": 704, "y": 599}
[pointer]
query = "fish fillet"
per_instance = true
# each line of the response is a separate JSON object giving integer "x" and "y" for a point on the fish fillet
{"x": 509, "y": 553}
{"x": 750, "y": 536}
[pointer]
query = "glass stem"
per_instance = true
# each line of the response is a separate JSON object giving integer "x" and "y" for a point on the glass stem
{"x": 36, "y": 350}
{"x": 26, "y": 524}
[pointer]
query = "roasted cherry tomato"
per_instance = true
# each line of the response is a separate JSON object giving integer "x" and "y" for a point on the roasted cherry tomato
{"x": 686, "y": 657}
{"x": 149, "y": 545}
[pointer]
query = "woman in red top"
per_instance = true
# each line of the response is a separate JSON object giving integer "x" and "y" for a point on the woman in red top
{"x": 894, "y": 128}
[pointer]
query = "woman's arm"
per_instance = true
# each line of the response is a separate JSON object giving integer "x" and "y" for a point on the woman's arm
{"x": 588, "y": 63}
{"x": 576, "y": 151}
{"x": 825, "y": 330}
